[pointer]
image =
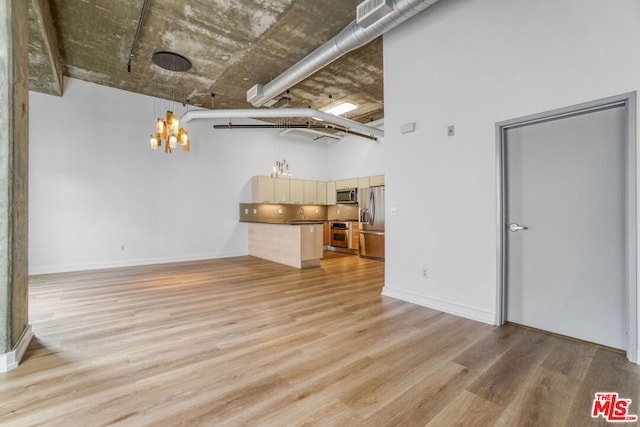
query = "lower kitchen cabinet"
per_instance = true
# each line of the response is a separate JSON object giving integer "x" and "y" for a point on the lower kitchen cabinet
{"x": 327, "y": 233}
{"x": 355, "y": 236}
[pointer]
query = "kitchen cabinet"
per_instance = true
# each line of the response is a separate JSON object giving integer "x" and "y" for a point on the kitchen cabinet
{"x": 355, "y": 236}
{"x": 376, "y": 181}
{"x": 298, "y": 246}
{"x": 347, "y": 184}
{"x": 281, "y": 188}
{"x": 296, "y": 191}
{"x": 310, "y": 194}
{"x": 331, "y": 193}
{"x": 262, "y": 189}
{"x": 327, "y": 233}
{"x": 265, "y": 189}
{"x": 321, "y": 188}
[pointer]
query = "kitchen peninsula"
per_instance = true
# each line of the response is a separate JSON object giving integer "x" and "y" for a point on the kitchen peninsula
{"x": 285, "y": 234}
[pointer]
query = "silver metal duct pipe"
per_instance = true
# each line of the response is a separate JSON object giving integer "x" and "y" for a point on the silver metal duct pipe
{"x": 280, "y": 113}
{"x": 352, "y": 37}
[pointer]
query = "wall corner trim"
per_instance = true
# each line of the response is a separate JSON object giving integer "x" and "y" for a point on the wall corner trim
{"x": 444, "y": 306}
{"x": 10, "y": 360}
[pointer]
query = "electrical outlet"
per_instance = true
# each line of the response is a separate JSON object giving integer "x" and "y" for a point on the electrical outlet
{"x": 246, "y": 211}
{"x": 425, "y": 273}
{"x": 279, "y": 211}
{"x": 122, "y": 247}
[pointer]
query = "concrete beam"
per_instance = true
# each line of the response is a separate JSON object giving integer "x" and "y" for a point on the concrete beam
{"x": 45, "y": 64}
{"x": 14, "y": 179}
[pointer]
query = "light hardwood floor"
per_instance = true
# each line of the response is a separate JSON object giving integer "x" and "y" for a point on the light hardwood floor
{"x": 243, "y": 341}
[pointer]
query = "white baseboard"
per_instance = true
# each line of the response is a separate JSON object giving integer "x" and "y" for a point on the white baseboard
{"x": 440, "y": 305}
{"x": 11, "y": 360}
{"x": 52, "y": 269}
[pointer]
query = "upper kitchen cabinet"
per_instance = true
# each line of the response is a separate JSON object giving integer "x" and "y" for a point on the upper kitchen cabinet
{"x": 310, "y": 192}
{"x": 262, "y": 189}
{"x": 347, "y": 184}
{"x": 363, "y": 182}
{"x": 281, "y": 188}
{"x": 322, "y": 192}
{"x": 331, "y": 193}
{"x": 296, "y": 191}
{"x": 376, "y": 181}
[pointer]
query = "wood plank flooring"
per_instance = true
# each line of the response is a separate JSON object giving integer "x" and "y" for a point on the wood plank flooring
{"x": 243, "y": 341}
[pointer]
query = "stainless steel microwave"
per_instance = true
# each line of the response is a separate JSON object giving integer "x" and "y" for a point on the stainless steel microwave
{"x": 347, "y": 196}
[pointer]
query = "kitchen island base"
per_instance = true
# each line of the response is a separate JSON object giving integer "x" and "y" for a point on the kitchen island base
{"x": 295, "y": 245}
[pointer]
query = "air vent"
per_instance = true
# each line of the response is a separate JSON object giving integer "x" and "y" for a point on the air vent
{"x": 171, "y": 61}
{"x": 369, "y": 11}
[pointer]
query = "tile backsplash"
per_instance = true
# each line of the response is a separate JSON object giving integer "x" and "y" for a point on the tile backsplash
{"x": 273, "y": 212}
{"x": 349, "y": 212}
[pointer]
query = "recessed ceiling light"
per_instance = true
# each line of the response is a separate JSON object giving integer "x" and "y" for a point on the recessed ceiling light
{"x": 171, "y": 61}
{"x": 341, "y": 108}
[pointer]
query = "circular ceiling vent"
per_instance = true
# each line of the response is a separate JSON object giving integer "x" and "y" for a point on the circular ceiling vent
{"x": 171, "y": 61}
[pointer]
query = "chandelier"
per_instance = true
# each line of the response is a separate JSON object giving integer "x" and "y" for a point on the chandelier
{"x": 281, "y": 151}
{"x": 171, "y": 133}
{"x": 167, "y": 125}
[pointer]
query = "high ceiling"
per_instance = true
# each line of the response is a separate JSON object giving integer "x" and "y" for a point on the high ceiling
{"x": 232, "y": 45}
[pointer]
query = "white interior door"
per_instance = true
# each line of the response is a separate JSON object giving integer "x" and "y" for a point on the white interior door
{"x": 565, "y": 181}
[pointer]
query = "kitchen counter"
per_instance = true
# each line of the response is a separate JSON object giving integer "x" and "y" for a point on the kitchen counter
{"x": 290, "y": 222}
{"x": 296, "y": 244}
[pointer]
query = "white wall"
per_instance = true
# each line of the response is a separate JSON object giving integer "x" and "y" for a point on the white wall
{"x": 96, "y": 185}
{"x": 473, "y": 63}
{"x": 354, "y": 157}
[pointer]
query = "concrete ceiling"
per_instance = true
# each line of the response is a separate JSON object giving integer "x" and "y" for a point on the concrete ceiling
{"x": 232, "y": 45}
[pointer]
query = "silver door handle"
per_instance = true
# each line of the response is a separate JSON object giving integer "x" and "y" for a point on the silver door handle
{"x": 513, "y": 227}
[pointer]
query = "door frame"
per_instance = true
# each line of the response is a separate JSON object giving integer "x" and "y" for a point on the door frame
{"x": 628, "y": 102}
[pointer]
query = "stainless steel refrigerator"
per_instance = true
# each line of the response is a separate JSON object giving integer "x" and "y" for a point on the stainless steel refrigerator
{"x": 372, "y": 222}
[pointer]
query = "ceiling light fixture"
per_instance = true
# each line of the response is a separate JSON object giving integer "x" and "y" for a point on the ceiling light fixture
{"x": 171, "y": 61}
{"x": 341, "y": 108}
{"x": 169, "y": 130}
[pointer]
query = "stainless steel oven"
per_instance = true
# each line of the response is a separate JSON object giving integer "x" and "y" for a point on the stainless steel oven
{"x": 340, "y": 234}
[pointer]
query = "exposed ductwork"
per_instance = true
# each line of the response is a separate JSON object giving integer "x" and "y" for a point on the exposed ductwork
{"x": 357, "y": 128}
{"x": 351, "y": 38}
